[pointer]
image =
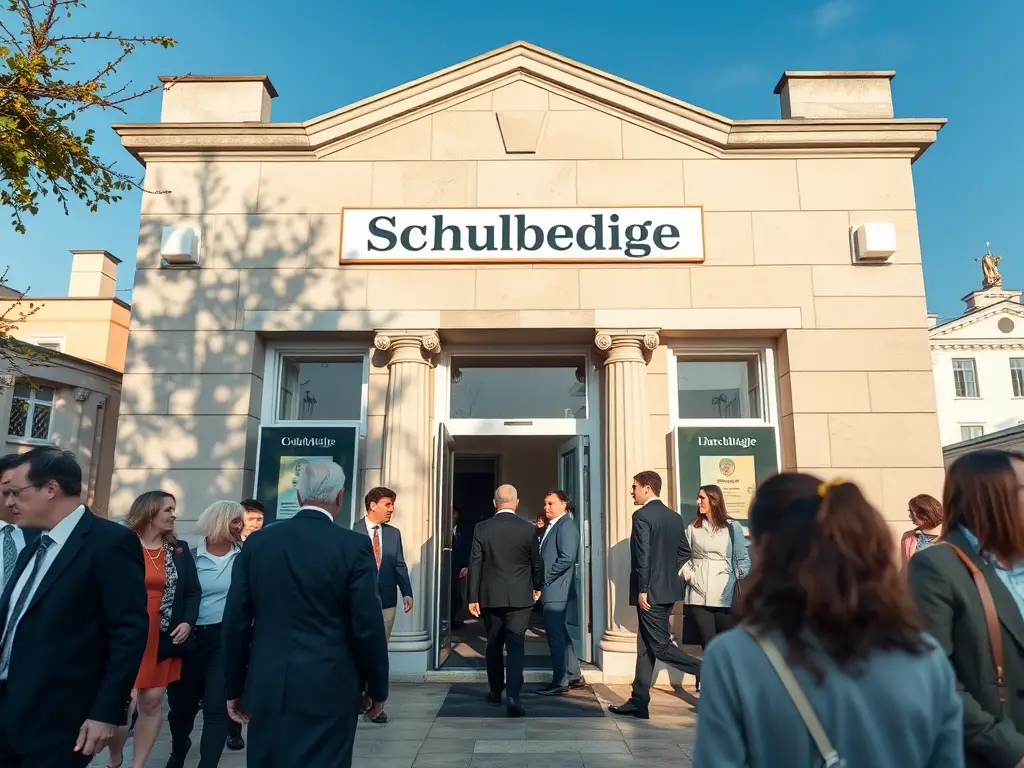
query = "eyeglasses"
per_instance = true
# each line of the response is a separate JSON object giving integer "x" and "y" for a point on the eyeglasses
{"x": 15, "y": 492}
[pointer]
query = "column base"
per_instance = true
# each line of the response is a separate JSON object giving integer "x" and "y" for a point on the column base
{"x": 407, "y": 665}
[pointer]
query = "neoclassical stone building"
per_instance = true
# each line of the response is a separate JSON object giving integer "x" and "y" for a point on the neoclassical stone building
{"x": 522, "y": 269}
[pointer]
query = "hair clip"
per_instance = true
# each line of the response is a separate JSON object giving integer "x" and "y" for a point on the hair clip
{"x": 835, "y": 482}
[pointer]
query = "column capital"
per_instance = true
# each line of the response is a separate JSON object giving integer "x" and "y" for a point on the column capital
{"x": 619, "y": 345}
{"x": 7, "y": 380}
{"x": 408, "y": 346}
{"x": 82, "y": 394}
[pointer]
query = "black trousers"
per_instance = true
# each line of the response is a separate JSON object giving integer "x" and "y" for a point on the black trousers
{"x": 506, "y": 629}
{"x": 653, "y": 644}
{"x": 565, "y": 666}
{"x": 202, "y": 679}
{"x": 710, "y": 621}
{"x": 298, "y": 740}
{"x": 63, "y": 756}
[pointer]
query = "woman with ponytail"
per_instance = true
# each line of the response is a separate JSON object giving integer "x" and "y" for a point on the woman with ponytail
{"x": 969, "y": 588}
{"x": 829, "y": 664}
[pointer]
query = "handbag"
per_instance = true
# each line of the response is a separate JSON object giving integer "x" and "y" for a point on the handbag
{"x": 995, "y": 635}
{"x": 737, "y": 589}
{"x": 830, "y": 758}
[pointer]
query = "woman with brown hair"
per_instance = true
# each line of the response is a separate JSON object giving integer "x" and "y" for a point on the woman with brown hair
{"x": 719, "y": 560}
{"x": 172, "y": 586}
{"x": 970, "y": 590}
{"x": 926, "y": 515}
{"x": 829, "y": 662}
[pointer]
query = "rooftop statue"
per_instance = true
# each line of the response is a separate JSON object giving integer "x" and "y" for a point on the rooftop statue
{"x": 990, "y": 276}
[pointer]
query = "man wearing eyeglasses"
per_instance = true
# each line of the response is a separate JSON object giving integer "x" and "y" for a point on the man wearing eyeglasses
{"x": 13, "y": 538}
{"x": 76, "y": 600}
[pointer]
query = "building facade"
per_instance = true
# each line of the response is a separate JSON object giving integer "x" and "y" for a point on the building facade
{"x": 62, "y": 386}
{"x": 978, "y": 361}
{"x": 522, "y": 269}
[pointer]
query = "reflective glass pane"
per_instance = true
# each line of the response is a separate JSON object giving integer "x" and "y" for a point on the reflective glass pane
{"x": 503, "y": 388}
{"x": 315, "y": 389}
{"x": 720, "y": 388}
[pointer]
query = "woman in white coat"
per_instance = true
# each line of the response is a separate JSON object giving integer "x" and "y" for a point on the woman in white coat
{"x": 720, "y": 556}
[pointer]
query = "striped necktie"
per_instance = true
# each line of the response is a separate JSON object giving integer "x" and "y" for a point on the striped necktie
{"x": 10, "y": 554}
{"x": 19, "y": 607}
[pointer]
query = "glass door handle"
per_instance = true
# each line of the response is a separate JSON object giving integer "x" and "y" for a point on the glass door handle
{"x": 446, "y": 549}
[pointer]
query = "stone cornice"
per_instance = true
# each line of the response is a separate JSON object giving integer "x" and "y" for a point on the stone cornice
{"x": 951, "y": 326}
{"x": 1014, "y": 345}
{"x": 715, "y": 134}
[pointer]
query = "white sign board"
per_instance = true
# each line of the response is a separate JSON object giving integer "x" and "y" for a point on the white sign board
{"x": 522, "y": 234}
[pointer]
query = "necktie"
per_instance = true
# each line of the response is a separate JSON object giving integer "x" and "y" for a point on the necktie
{"x": 19, "y": 607}
{"x": 10, "y": 554}
{"x": 376, "y": 545}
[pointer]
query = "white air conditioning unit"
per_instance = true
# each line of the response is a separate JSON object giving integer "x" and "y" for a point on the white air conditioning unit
{"x": 874, "y": 242}
{"x": 181, "y": 246}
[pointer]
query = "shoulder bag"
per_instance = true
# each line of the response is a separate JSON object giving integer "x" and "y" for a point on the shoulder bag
{"x": 737, "y": 589}
{"x": 995, "y": 635}
{"x": 829, "y": 757}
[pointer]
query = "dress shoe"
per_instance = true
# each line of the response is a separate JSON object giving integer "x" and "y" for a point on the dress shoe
{"x": 493, "y": 698}
{"x": 630, "y": 708}
{"x": 513, "y": 709}
{"x": 579, "y": 682}
{"x": 177, "y": 758}
{"x": 381, "y": 719}
{"x": 553, "y": 690}
{"x": 235, "y": 743}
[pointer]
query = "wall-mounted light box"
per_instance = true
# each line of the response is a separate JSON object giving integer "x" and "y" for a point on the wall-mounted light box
{"x": 181, "y": 246}
{"x": 874, "y": 242}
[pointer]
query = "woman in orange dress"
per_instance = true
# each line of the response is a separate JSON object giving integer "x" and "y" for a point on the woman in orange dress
{"x": 172, "y": 588}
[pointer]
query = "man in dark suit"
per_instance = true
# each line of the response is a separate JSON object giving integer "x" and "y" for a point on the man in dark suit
{"x": 461, "y": 542}
{"x": 76, "y": 601}
{"x": 304, "y": 640}
{"x": 13, "y": 538}
{"x": 392, "y": 572}
{"x": 658, "y": 549}
{"x": 505, "y": 577}
{"x": 559, "y": 548}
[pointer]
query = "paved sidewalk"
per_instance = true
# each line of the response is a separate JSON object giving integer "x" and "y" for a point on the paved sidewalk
{"x": 417, "y": 738}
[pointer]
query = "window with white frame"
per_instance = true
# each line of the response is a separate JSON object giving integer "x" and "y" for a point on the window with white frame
{"x": 314, "y": 388}
{"x": 1017, "y": 375}
{"x": 965, "y": 378}
{"x": 31, "y": 413}
{"x": 719, "y": 387}
{"x": 971, "y": 431}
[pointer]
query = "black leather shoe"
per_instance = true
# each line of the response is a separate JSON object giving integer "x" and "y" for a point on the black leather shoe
{"x": 513, "y": 709}
{"x": 630, "y": 708}
{"x": 553, "y": 690}
{"x": 580, "y": 682}
{"x": 235, "y": 743}
{"x": 493, "y": 698}
{"x": 381, "y": 719}
{"x": 178, "y": 754}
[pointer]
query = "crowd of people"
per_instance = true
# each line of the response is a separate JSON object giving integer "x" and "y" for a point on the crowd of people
{"x": 824, "y": 642}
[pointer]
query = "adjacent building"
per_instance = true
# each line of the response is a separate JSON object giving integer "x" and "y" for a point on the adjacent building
{"x": 63, "y": 386}
{"x": 522, "y": 269}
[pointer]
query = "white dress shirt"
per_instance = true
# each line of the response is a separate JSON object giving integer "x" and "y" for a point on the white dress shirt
{"x": 19, "y": 542}
{"x": 60, "y": 534}
{"x": 551, "y": 524}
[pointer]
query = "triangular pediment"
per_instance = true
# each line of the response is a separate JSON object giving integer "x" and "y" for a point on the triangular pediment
{"x": 521, "y": 100}
{"x": 997, "y": 323}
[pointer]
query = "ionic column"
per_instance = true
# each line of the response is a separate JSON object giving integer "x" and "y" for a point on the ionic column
{"x": 406, "y": 470}
{"x": 626, "y": 416}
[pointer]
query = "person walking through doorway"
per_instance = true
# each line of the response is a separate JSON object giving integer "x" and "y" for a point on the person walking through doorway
{"x": 505, "y": 577}
{"x": 559, "y": 548}
{"x": 303, "y": 633}
{"x": 658, "y": 550}
{"x": 392, "y": 572}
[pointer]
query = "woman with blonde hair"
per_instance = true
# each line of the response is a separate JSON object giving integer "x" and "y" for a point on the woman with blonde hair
{"x": 172, "y": 587}
{"x": 202, "y": 672}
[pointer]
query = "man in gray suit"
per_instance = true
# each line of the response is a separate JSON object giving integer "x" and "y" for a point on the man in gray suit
{"x": 559, "y": 548}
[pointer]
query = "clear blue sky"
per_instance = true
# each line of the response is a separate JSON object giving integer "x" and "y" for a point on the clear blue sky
{"x": 951, "y": 61}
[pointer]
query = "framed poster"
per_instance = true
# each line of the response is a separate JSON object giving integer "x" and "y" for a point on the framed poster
{"x": 285, "y": 452}
{"x": 735, "y": 459}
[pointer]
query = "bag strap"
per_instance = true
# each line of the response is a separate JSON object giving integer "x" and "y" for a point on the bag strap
{"x": 735, "y": 548}
{"x": 813, "y": 724}
{"x": 995, "y": 635}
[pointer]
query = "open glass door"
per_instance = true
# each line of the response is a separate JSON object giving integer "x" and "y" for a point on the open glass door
{"x": 444, "y": 469}
{"x": 574, "y": 479}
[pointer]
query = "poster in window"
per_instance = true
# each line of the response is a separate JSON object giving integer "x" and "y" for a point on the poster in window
{"x": 284, "y": 454}
{"x": 735, "y": 459}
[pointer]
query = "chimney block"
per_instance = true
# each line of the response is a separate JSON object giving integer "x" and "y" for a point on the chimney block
{"x": 830, "y": 95}
{"x": 217, "y": 99}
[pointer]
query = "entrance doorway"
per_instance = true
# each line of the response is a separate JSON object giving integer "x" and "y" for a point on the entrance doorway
{"x": 534, "y": 464}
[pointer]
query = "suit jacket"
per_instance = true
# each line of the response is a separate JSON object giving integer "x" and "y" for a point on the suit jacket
{"x": 559, "y": 552}
{"x": 462, "y": 542}
{"x": 947, "y": 599}
{"x": 393, "y": 574}
{"x": 657, "y": 550}
{"x": 80, "y": 641}
{"x": 303, "y": 627}
{"x": 504, "y": 563}
{"x": 185, "y": 607}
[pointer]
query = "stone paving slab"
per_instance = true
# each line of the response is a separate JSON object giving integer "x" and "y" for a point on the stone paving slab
{"x": 417, "y": 738}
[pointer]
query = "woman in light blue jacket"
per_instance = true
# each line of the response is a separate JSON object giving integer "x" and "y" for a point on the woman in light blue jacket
{"x": 826, "y": 599}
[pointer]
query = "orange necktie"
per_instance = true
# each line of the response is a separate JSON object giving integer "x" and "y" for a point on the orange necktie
{"x": 376, "y": 545}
